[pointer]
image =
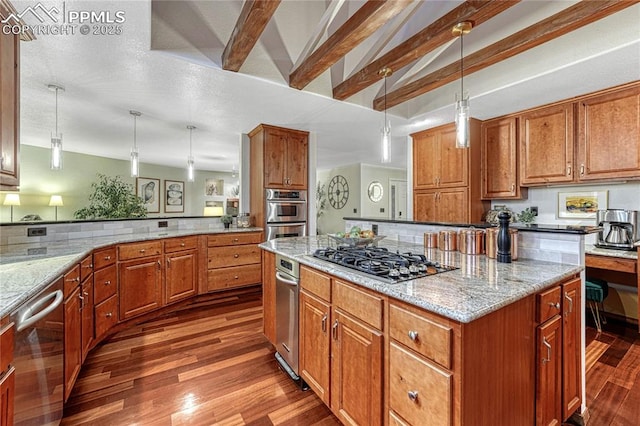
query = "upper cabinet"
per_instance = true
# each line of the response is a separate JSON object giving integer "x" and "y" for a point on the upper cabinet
{"x": 609, "y": 135}
{"x": 437, "y": 163}
{"x": 9, "y": 109}
{"x": 499, "y": 170}
{"x": 285, "y": 157}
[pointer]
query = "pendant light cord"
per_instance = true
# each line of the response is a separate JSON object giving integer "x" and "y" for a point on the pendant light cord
{"x": 56, "y": 112}
{"x": 461, "y": 65}
{"x": 135, "y": 120}
{"x": 385, "y": 100}
{"x": 190, "y": 141}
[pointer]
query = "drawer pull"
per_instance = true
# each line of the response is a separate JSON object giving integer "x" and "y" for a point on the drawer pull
{"x": 413, "y": 395}
{"x": 236, "y": 255}
{"x": 548, "y": 346}
{"x": 85, "y": 293}
{"x": 334, "y": 330}
{"x": 413, "y": 335}
{"x": 108, "y": 315}
{"x": 555, "y": 305}
{"x": 568, "y": 170}
{"x": 566, "y": 295}
{"x": 89, "y": 266}
{"x": 324, "y": 324}
{"x": 76, "y": 279}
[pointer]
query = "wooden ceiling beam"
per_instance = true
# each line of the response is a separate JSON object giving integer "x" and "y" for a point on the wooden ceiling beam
{"x": 425, "y": 41}
{"x": 371, "y": 16}
{"x": 254, "y": 17}
{"x": 561, "y": 23}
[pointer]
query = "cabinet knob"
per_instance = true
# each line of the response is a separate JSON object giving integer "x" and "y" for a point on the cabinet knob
{"x": 235, "y": 240}
{"x": 236, "y": 277}
{"x": 108, "y": 315}
{"x": 236, "y": 255}
{"x": 141, "y": 250}
{"x": 107, "y": 258}
{"x": 89, "y": 266}
{"x": 108, "y": 282}
{"x": 555, "y": 305}
{"x": 413, "y": 395}
{"x": 182, "y": 244}
{"x": 413, "y": 335}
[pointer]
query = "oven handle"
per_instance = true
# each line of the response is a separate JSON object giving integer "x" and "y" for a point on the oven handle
{"x": 280, "y": 201}
{"x": 286, "y": 280}
{"x": 28, "y": 318}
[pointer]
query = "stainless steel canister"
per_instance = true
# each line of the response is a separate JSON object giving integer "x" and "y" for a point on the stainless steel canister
{"x": 492, "y": 242}
{"x": 430, "y": 240}
{"x": 471, "y": 241}
{"x": 448, "y": 240}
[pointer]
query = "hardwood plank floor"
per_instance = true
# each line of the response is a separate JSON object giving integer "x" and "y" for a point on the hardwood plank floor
{"x": 209, "y": 364}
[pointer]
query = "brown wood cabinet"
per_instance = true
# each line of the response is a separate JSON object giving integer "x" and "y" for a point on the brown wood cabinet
{"x": 181, "y": 268}
{"x": 315, "y": 344}
{"x": 571, "y": 348}
{"x": 233, "y": 260}
{"x": 499, "y": 154}
{"x": 269, "y": 296}
{"x": 609, "y": 135}
{"x": 72, "y": 340}
{"x": 105, "y": 291}
{"x": 446, "y": 185}
{"x": 549, "y": 372}
{"x": 87, "y": 332}
{"x": 9, "y": 109}
{"x": 139, "y": 278}
{"x": 7, "y": 374}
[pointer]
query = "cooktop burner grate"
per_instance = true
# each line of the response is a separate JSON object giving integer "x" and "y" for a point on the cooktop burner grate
{"x": 382, "y": 263}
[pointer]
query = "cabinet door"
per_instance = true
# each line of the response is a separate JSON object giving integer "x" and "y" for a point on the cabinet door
{"x": 546, "y": 145}
{"x": 140, "y": 286}
{"x": 453, "y": 205}
{"x": 454, "y": 168}
{"x": 86, "y": 303}
{"x": 269, "y": 296}
{"x": 181, "y": 275}
{"x": 356, "y": 371}
{"x": 315, "y": 344}
{"x": 297, "y": 148}
{"x": 9, "y": 111}
{"x": 499, "y": 159}
{"x": 106, "y": 315}
{"x": 571, "y": 348}
{"x": 426, "y": 165}
{"x": 549, "y": 373}
{"x": 72, "y": 341}
{"x": 7, "y": 389}
{"x": 275, "y": 148}
{"x": 609, "y": 135}
{"x": 424, "y": 206}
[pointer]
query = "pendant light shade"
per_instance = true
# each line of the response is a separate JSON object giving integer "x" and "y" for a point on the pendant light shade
{"x": 462, "y": 99}
{"x": 190, "y": 162}
{"x": 56, "y": 138}
{"x": 386, "y": 126}
{"x": 135, "y": 164}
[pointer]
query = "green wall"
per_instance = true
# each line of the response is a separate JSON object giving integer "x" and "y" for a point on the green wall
{"x": 38, "y": 182}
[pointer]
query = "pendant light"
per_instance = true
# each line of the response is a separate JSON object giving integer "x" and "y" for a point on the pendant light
{"x": 190, "y": 163}
{"x": 462, "y": 99}
{"x": 135, "y": 164}
{"x": 386, "y": 126}
{"x": 56, "y": 138}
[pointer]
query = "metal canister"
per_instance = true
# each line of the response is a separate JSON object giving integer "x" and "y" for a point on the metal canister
{"x": 471, "y": 241}
{"x": 492, "y": 242}
{"x": 430, "y": 240}
{"x": 448, "y": 240}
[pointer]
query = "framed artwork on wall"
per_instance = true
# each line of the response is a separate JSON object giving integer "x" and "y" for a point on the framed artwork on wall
{"x": 173, "y": 196}
{"x": 581, "y": 205}
{"x": 213, "y": 187}
{"x": 149, "y": 190}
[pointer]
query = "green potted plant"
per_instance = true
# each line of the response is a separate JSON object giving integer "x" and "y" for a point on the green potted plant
{"x": 226, "y": 219}
{"x": 112, "y": 198}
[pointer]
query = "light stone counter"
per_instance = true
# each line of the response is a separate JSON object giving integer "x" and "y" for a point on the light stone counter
{"x": 625, "y": 254}
{"x": 479, "y": 287}
{"x": 26, "y": 269}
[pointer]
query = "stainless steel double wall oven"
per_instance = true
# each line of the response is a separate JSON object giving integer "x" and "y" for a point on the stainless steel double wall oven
{"x": 286, "y": 213}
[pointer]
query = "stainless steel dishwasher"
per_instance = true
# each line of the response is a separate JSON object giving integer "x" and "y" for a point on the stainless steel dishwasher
{"x": 287, "y": 292}
{"x": 38, "y": 358}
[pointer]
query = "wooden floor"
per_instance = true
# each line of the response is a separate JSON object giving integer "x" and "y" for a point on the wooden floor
{"x": 211, "y": 365}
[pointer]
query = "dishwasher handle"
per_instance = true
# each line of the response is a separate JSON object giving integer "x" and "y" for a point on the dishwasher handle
{"x": 285, "y": 279}
{"x": 28, "y": 318}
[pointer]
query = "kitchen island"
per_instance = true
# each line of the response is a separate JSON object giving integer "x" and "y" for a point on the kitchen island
{"x": 487, "y": 343}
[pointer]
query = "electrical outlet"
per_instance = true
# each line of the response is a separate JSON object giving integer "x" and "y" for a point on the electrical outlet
{"x": 163, "y": 224}
{"x": 355, "y": 210}
{"x": 381, "y": 209}
{"x": 534, "y": 210}
{"x": 374, "y": 228}
{"x": 36, "y": 232}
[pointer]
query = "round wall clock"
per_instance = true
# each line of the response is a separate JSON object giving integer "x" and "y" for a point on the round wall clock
{"x": 338, "y": 191}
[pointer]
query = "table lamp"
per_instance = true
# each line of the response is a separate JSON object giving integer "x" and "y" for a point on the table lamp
{"x": 56, "y": 201}
{"x": 12, "y": 200}
{"x": 213, "y": 211}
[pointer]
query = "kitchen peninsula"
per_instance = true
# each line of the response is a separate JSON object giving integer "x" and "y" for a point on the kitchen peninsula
{"x": 481, "y": 344}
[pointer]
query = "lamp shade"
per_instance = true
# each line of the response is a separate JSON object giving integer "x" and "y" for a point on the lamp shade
{"x": 56, "y": 201}
{"x": 213, "y": 211}
{"x": 12, "y": 200}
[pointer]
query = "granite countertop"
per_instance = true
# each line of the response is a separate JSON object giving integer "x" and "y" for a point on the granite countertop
{"x": 26, "y": 269}
{"x": 480, "y": 286}
{"x": 599, "y": 251}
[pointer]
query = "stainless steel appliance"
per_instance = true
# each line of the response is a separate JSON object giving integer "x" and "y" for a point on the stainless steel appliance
{"x": 287, "y": 294}
{"x": 285, "y": 213}
{"x": 619, "y": 229}
{"x": 39, "y": 358}
{"x": 383, "y": 264}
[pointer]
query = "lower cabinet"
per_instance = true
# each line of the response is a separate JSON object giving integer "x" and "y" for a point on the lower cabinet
{"x": 233, "y": 260}
{"x": 72, "y": 340}
{"x": 7, "y": 374}
{"x": 140, "y": 286}
{"x": 181, "y": 268}
{"x": 269, "y": 296}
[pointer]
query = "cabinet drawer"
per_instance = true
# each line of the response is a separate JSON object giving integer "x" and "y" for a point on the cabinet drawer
{"x": 178, "y": 244}
{"x": 420, "y": 334}
{"x": 86, "y": 267}
{"x": 419, "y": 390}
{"x": 106, "y": 315}
{"x": 105, "y": 257}
{"x": 234, "y": 239}
{"x": 548, "y": 304}
{"x": 6, "y": 346}
{"x": 105, "y": 284}
{"x": 235, "y": 276}
{"x": 71, "y": 280}
{"x": 138, "y": 250}
{"x": 358, "y": 303}
{"x": 220, "y": 257}
{"x": 316, "y": 283}
{"x": 611, "y": 263}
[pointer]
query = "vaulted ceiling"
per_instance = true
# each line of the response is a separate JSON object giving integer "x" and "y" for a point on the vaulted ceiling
{"x": 226, "y": 66}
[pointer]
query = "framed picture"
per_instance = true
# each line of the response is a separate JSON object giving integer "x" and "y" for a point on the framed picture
{"x": 213, "y": 187}
{"x": 149, "y": 190}
{"x": 581, "y": 205}
{"x": 173, "y": 196}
